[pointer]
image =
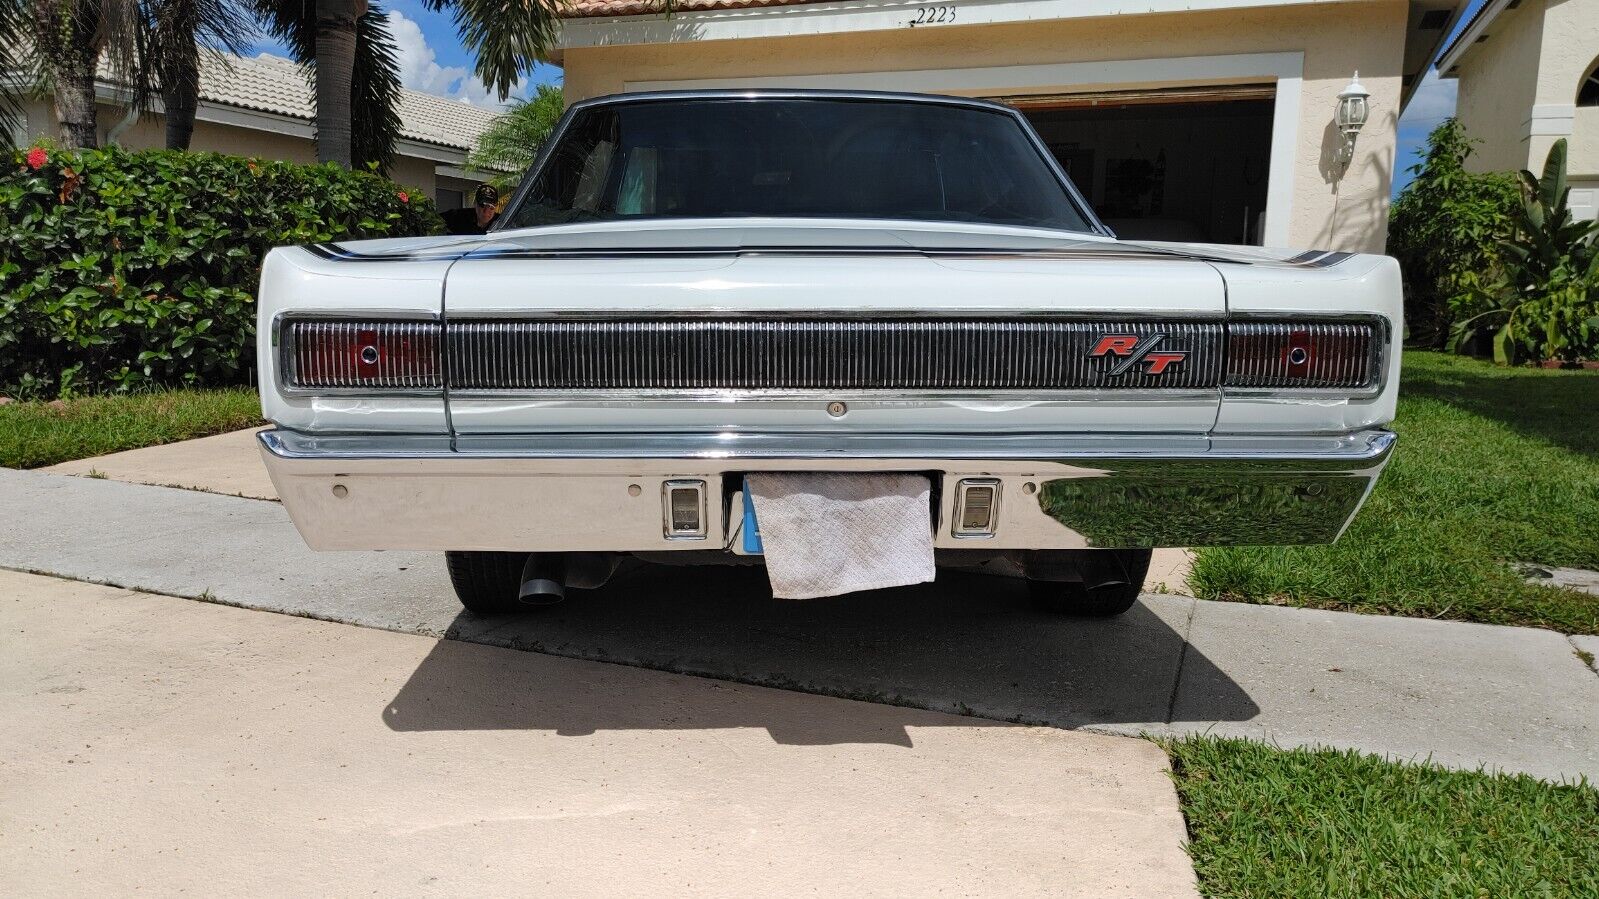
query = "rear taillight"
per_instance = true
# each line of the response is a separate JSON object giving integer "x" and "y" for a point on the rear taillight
{"x": 1301, "y": 356}
{"x": 393, "y": 355}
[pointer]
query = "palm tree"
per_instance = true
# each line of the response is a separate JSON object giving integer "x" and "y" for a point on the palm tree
{"x": 178, "y": 32}
{"x": 146, "y": 46}
{"x": 347, "y": 45}
{"x": 59, "y": 45}
{"x": 510, "y": 143}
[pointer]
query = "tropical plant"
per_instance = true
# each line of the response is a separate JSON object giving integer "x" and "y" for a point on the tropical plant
{"x": 1549, "y": 297}
{"x": 1445, "y": 230}
{"x": 512, "y": 141}
{"x": 350, "y": 52}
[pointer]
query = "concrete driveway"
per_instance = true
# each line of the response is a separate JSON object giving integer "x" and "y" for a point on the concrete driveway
{"x": 158, "y": 745}
{"x": 1517, "y": 699}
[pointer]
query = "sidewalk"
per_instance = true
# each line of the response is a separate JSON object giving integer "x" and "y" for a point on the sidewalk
{"x": 1465, "y": 694}
{"x": 157, "y": 745}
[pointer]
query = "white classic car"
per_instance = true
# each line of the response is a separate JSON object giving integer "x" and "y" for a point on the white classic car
{"x": 693, "y": 290}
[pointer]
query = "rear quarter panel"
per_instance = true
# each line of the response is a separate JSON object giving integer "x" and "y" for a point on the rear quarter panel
{"x": 1359, "y": 285}
{"x": 295, "y": 280}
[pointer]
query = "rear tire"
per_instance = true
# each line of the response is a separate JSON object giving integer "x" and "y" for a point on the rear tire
{"x": 1124, "y": 569}
{"x": 487, "y": 582}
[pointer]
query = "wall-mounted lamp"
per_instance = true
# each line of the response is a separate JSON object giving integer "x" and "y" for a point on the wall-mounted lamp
{"x": 1354, "y": 106}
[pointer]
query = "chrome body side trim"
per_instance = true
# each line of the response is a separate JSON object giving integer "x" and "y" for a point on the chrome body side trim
{"x": 601, "y": 492}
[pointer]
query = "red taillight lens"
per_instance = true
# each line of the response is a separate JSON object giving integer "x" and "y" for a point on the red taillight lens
{"x": 1292, "y": 355}
{"x": 396, "y": 355}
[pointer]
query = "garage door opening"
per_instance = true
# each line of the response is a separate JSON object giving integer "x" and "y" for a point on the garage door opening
{"x": 1188, "y": 165}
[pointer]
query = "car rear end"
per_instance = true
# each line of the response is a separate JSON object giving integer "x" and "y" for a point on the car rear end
{"x": 605, "y": 386}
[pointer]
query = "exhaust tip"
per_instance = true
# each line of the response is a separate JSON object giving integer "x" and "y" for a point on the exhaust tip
{"x": 543, "y": 580}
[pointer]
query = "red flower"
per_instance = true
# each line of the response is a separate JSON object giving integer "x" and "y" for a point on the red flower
{"x": 37, "y": 157}
{"x": 404, "y": 197}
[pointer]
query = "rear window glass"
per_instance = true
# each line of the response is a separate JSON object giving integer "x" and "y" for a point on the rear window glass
{"x": 834, "y": 158}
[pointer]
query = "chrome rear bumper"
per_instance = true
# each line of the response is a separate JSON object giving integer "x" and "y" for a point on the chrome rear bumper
{"x": 602, "y": 492}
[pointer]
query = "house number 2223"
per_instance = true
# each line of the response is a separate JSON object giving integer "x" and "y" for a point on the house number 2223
{"x": 933, "y": 15}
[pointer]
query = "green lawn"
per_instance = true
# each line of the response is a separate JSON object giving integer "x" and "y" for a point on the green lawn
{"x": 1495, "y": 465}
{"x": 35, "y": 434}
{"x": 1268, "y": 822}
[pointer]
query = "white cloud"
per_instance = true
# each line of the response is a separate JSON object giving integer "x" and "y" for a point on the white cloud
{"x": 1433, "y": 102}
{"x": 420, "y": 69}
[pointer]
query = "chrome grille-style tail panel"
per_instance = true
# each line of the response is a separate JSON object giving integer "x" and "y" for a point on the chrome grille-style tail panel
{"x": 676, "y": 355}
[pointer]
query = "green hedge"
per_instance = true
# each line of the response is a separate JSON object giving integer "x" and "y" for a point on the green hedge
{"x": 122, "y": 270}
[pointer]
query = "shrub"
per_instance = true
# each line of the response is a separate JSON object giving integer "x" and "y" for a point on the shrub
{"x": 1445, "y": 230}
{"x": 123, "y": 270}
{"x": 1547, "y": 304}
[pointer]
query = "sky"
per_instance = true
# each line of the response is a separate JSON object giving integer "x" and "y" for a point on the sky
{"x": 433, "y": 61}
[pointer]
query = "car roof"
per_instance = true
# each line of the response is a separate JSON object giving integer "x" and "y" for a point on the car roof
{"x": 792, "y": 94}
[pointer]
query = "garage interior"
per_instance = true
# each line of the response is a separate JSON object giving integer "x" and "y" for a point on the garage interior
{"x": 1177, "y": 164}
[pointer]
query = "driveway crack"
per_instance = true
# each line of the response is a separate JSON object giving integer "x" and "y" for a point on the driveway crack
{"x": 1182, "y": 662}
{"x": 1583, "y": 655}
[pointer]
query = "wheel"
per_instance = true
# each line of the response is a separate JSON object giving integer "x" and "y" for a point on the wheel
{"x": 487, "y": 582}
{"x": 1110, "y": 585}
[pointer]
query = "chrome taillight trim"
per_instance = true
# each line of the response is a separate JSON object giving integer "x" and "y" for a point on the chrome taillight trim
{"x": 306, "y": 369}
{"x": 1350, "y": 361}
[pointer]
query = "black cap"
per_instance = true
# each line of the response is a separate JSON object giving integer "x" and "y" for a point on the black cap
{"x": 486, "y": 195}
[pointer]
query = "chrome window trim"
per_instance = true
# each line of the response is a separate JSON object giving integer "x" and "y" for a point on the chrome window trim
{"x": 1074, "y": 196}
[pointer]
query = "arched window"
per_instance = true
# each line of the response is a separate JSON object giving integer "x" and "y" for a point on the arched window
{"x": 1588, "y": 91}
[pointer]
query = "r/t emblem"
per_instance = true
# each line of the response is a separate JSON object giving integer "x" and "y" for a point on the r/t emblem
{"x": 1131, "y": 351}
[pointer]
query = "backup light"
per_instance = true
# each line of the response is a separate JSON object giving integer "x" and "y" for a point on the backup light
{"x": 683, "y": 509}
{"x": 976, "y": 507}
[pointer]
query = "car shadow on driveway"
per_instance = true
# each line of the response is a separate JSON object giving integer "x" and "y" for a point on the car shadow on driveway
{"x": 968, "y": 644}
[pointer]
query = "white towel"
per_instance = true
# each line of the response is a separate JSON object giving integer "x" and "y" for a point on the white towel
{"x": 826, "y": 533}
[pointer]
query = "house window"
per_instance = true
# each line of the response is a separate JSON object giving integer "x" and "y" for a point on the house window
{"x": 1588, "y": 93}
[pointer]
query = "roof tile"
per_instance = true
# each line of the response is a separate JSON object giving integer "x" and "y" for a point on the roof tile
{"x": 274, "y": 84}
{"x": 586, "y": 9}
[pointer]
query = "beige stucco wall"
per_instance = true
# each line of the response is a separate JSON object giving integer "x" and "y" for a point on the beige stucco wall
{"x": 1498, "y": 86}
{"x": 1536, "y": 56}
{"x": 149, "y": 132}
{"x": 1331, "y": 207}
{"x": 1570, "y": 47}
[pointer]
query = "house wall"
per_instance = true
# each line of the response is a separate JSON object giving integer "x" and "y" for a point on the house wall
{"x": 1570, "y": 46}
{"x": 1518, "y": 88}
{"x": 1498, "y": 87}
{"x": 149, "y": 132}
{"x": 1330, "y": 206}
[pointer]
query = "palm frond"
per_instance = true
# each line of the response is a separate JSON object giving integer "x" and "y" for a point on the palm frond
{"x": 513, "y": 140}
{"x": 506, "y": 36}
{"x": 375, "y": 93}
{"x": 17, "y": 70}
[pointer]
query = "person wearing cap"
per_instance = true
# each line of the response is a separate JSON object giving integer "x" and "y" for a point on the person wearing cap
{"x": 477, "y": 218}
